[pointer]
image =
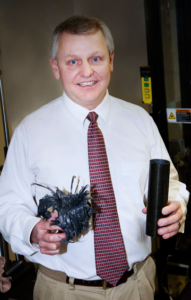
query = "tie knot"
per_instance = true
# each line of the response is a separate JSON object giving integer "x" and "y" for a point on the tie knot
{"x": 92, "y": 116}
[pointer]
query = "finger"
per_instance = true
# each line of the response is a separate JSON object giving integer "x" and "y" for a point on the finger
{"x": 39, "y": 233}
{"x": 46, "y": 225}
{"x": 168, "y": 229}
{"x": 54, "y": 215}
{"x": 54, "y": 227}
{"x": 171, "y": 219}
{"x": 171, "y": 207}
{"x": 5, "y": 279}
{"x": 169, "y": 235}
{"x": 49, "y": 245}
{"x": 6, "y": 286}
{"x": 49, "y": 252}
{"x": 144, "y": 210}
{"x": 53, "y": 237}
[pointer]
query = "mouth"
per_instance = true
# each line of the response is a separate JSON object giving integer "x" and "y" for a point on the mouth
{"x": 90, "y": 83}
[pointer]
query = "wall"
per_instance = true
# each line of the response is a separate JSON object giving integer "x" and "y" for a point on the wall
{"x": 25, "y": 31}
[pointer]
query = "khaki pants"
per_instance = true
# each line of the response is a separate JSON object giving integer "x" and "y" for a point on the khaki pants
{"x": 140, "y": 286}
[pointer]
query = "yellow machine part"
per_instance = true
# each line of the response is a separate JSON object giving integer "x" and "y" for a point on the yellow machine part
{"x": 146, "y": 90}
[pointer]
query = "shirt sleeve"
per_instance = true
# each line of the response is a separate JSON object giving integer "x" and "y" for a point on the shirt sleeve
{"x": 17, "y": 206}
{"x": 177, "y": 189}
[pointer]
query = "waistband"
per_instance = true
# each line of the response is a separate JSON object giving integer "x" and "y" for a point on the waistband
{"x": 62, "y": 277}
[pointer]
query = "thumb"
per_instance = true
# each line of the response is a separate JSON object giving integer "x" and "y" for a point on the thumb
{"x": 54, "y": 215}
{"x": 144, "y": 210}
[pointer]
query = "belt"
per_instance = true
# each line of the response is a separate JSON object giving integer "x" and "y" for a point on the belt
{"x": 62, "y": 277}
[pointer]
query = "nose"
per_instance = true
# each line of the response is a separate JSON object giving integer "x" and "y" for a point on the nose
{"x": 86, "y": 69}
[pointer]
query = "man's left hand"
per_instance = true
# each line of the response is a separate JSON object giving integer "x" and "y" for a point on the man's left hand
{"x": 169, "y": 225}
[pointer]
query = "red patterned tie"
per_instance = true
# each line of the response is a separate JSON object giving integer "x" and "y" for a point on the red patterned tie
{"x": 110, "y": 256}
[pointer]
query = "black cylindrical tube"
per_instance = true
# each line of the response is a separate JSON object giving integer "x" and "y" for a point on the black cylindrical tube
{"x": 157, "y": 194}
{"x": 13, "y": 268}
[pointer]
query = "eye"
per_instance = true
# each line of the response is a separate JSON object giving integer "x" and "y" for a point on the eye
{"x": 73, "y": 62}
{"x": 95, "y": 59}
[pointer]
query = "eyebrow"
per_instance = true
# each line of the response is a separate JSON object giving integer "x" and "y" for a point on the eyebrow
{"x": 76, "y": 56}
{"x": 71, "y": 56}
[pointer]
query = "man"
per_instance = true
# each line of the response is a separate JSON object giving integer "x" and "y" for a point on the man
{"x": 53, "y": 144}
{"x": 5, "y": 283}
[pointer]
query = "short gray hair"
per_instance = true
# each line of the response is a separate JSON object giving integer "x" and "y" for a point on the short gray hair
{"x": 80, "y": 24}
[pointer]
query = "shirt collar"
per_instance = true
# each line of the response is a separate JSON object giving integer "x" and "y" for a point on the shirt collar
{"x": 79, "y": 113}
{"x": 103, "y": 109}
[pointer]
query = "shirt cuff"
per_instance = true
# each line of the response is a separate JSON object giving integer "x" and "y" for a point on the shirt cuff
{"x": 181, "y": 195}
{"x": 183, "y": 204}
{"x": 184, "y": 209}
{"x": 30, "y": 225}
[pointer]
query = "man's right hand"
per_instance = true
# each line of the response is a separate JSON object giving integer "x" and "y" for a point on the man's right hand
{"x": 44, "y": 235}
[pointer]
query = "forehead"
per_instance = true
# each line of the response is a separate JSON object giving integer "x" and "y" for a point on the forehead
{"x": 74, "y": 44}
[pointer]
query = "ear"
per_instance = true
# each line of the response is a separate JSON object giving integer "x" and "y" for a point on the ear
{"x": 55, "y": 68}
{"x": 111, "y": 61}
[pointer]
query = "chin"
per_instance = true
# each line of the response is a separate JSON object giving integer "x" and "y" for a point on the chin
{"x": 91, "y": 101}
{"x": 92, "y": 98}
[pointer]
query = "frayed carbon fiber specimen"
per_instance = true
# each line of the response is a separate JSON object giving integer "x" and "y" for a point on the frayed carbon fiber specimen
{"x": 74, "y": 210}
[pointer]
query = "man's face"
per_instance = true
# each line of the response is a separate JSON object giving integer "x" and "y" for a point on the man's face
{"x": 84, "y": 66}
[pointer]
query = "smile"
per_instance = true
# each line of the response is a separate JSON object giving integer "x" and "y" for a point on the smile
{"x": 90, "y": 83}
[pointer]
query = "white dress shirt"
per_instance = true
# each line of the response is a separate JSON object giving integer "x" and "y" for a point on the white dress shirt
{"x": 50, "y": 146}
